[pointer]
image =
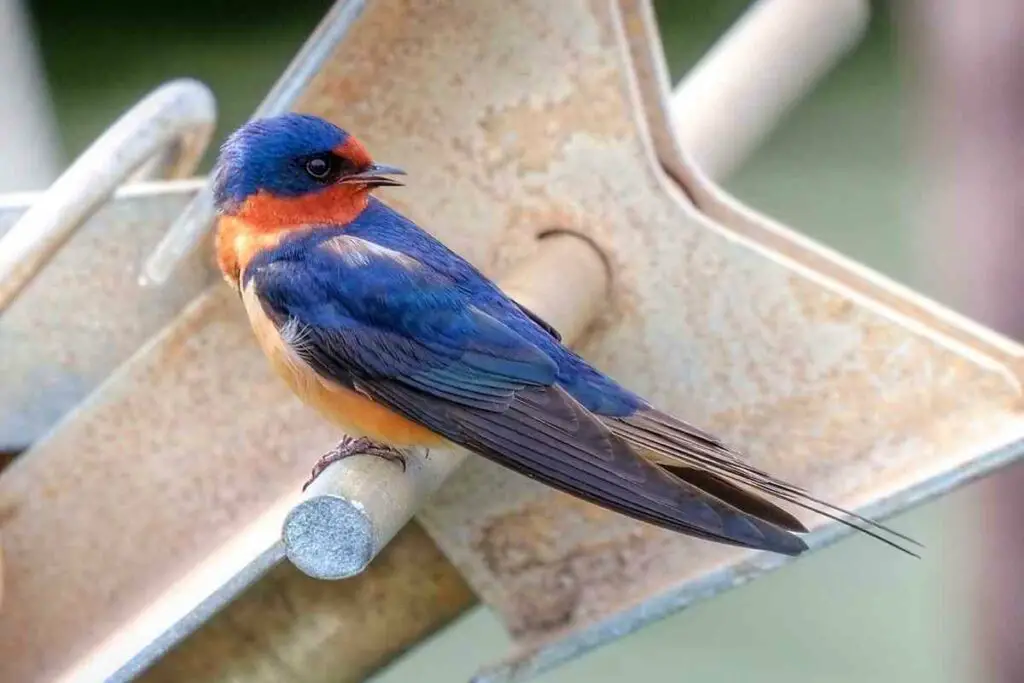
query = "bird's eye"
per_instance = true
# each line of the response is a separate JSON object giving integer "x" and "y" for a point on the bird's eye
{"x": 318, "y": 167}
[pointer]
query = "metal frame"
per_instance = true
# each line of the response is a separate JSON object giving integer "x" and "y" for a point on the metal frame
{"x": 956, "y": 397}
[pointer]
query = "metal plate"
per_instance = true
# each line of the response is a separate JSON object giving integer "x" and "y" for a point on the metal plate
{"x": 817, "y": 382}
{"x": 84, "y": 314}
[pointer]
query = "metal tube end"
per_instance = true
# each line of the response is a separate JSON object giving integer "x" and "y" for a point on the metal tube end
{"x": 329, "y": 537}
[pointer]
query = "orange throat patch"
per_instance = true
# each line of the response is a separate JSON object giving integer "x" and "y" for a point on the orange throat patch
{"x": 264, "y": 220}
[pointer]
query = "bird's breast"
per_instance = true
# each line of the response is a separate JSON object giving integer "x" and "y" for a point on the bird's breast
{"x": 356, "y": 414}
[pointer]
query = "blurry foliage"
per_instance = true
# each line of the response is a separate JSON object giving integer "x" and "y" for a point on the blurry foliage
{"x": 102, "y": 57}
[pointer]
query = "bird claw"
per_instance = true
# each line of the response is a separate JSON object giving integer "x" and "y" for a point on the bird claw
{"x": 348, "y": 447}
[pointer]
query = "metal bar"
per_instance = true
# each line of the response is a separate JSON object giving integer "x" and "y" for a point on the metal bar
{"x": 49, "y": 359}
{"x": 790, "y": 45}
{"x": 289, "y": 628}
{"x": 358, "y": 504}
{"x": 180, "y": 114}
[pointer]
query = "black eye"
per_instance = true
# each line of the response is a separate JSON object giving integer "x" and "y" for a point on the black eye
{"x": 318, "y": 167}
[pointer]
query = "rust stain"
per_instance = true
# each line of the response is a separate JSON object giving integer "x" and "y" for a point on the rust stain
{"x": 8, "y": 511}
{"x": 517, "y": 541}
{"x": 532, "y": 134}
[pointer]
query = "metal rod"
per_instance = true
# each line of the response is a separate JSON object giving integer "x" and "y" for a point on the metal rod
{"x": 767, "y": 61}
{"x": 180, "y": 114}
{"x": 356, "y": 505}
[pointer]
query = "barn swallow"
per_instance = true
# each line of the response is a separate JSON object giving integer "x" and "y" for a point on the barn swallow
{"x": 395, "y": 338}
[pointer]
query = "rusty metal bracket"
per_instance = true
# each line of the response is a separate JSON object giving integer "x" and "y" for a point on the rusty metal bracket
{"x": 826, "y": 373}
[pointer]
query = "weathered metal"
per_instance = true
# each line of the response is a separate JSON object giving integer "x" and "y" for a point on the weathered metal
{"x": 171, "y": 127}
{"x": 289, "y": 628}
{"x": 83, "y": 315}
{"x": 66, "y": 327}
{"x": 162, "y": 489}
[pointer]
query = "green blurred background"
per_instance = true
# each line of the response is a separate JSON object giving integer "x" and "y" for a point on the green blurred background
{"x": 837, "y": 169}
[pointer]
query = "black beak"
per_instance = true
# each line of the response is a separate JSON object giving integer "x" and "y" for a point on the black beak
{"x": 375, "y": 175}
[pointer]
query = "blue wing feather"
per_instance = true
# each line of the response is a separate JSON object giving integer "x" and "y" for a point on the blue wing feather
{"x": 371, "y": 313}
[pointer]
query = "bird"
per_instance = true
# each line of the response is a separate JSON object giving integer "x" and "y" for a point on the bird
{"x": 400, "y": 342}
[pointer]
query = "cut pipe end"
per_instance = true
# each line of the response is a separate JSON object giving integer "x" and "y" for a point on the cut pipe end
{"x": 329, "y": 537}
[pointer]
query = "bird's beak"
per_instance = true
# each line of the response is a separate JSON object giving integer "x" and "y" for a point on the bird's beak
{"x": 376, "y": 175}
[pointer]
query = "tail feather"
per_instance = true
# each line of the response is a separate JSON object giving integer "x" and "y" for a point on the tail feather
{"x": 743, "y": 500}
{"x": 708, "y": 464}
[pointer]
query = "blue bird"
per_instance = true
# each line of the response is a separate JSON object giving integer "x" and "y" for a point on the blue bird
{"x": 395, "y": 338}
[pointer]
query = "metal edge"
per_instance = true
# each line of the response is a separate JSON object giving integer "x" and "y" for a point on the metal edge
{"x": 529, "y": 663}
{"x": 200, "y": 614}
{"x": 21, "y": 201}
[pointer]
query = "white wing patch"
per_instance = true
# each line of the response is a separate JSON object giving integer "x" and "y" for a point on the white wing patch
{"x": 357, "y": 252}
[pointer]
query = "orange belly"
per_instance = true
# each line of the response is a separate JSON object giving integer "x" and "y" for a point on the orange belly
{"x": 352, "y": 412}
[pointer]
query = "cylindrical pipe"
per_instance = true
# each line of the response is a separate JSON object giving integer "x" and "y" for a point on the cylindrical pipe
{"x": 728, "y": 103}
{"x": 356, "y": 505}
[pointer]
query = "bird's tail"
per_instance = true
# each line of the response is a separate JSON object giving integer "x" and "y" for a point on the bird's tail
{"x": 703, "y": 461}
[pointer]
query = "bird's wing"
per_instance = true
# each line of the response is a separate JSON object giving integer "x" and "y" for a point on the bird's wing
{"x": 706, "y": 462}
{"x": 410, "y": 338}
{"x": 541, "y": 322}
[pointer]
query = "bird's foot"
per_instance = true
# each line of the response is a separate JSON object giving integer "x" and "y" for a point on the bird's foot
{"x": 348, "y": 447}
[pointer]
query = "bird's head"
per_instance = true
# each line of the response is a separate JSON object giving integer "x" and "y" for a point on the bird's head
{"x": 295, "y": 169}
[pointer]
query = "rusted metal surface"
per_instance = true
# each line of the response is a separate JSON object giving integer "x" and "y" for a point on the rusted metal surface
{"x": 175, "y": 475}
{"x": 63, "y": 331}
{"x": 155, "y": 492}
{"x": 290, "y": 628}
{"x": 816, "y": 382}
{"x": 83, "y": 315}
{"x": 660, "y": 110}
